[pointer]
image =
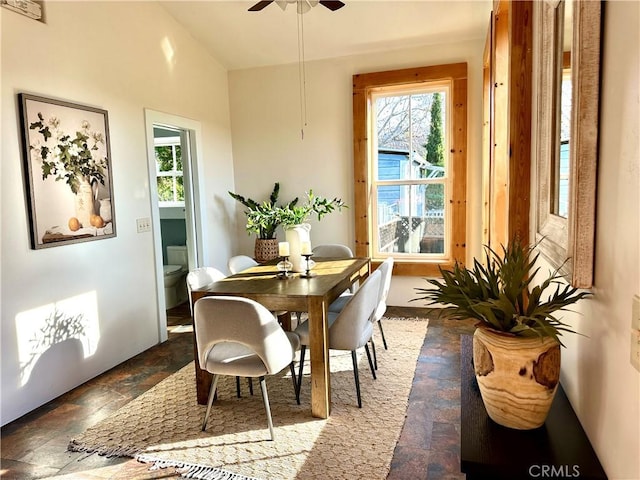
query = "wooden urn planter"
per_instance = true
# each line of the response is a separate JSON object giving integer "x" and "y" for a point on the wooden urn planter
{"x": 517, "y": 376}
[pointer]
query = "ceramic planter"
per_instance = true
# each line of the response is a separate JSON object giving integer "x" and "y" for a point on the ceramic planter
{"x": 295, "y": 235}
{"x": 517, "y": 376}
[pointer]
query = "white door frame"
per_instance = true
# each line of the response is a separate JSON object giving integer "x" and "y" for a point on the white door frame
{"x": 191, "y": 133}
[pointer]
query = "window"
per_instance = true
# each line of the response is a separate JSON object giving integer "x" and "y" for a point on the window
{"x": 410, "y": 166}
{"x": 169, "y": 173}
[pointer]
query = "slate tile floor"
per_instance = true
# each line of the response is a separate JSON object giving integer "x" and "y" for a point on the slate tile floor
{"x": 34, "y": 446}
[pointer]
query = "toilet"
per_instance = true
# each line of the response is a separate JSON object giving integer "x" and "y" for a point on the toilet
{"x": 175, "y": 275}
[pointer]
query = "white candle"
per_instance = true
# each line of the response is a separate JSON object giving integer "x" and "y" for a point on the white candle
{"x": 283, "y": 249}
{"x": 305, "y": 248}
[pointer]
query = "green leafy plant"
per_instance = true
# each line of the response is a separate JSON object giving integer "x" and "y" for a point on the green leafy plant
{"x": 290, "y": 215}
{"x": 263, "y": 218}
{"x": 501, "y": 296}
{"x": 72, "y": 158}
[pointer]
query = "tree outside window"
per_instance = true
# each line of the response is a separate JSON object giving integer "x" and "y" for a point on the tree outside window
{"x": 169, "y": 171}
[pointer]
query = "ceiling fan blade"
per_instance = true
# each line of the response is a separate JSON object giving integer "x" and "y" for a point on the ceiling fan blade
{"x": 332, "y": 5}
{"x": 260, "y": 5}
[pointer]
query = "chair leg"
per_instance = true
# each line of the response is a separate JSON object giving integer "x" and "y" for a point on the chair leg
{"x": 373, "y": 370}
{"x": 238, "y": 387}
{"x": 303, "y": 349}
{"x": 375, "y": 356}
{"x": 384, "y": 341}
{"x": 295, "y": 382}
{"x": 250, "y": 380}
{"x": 354, "y": 358}
{"x": 212, "y": 393}
{"x": 265, "y": 398}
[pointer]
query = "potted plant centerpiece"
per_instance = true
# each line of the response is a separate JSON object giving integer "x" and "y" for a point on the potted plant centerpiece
{"x": 516, "y": 345}
{"x": 293, "y": 218}
{"x": 263, "y": 219}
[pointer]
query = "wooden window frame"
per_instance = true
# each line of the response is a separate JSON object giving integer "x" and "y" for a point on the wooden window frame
{"x": 363, "y": 85}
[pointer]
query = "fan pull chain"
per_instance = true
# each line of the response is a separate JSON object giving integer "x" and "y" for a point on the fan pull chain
{"x": 302, "y": 75}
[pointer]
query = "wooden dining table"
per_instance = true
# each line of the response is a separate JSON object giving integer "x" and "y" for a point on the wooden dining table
{"x": 295, "y": 294}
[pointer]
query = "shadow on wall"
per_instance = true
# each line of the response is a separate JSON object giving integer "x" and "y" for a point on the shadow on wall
{"x": 56, "y": 330}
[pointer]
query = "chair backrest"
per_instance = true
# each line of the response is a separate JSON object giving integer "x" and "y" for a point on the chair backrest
{"x": 220, "y": 319}
{"x": 353, "y": 328}
{"x": 240, "y": 262}
{"x": 332, "y": 250}
{"x": 201, "y": 277}
{"x": 386, "y": 270}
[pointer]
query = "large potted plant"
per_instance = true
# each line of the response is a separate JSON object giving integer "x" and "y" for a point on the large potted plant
{"x": 263, "y": 219}
{"x": 516, "y": 345}
{"x": 293, "y": 218}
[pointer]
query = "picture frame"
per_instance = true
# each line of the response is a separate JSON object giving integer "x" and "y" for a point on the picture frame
{"x": 67, "y": 170}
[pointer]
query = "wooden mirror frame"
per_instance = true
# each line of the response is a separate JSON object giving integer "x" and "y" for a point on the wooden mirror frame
{"x": 567, "y": 243}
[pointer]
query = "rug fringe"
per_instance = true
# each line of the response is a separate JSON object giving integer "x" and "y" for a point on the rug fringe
{"x": 192, "y": 470}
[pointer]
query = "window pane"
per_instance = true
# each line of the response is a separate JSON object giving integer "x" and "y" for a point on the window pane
{"x": 164, "y": 159}
{"x": 178, "y": 158}
{"x": 165, "y": 189}
{"x": 411, "y": 219}
{"x": 179, "y": 189}
{"x": 411, "y": 136}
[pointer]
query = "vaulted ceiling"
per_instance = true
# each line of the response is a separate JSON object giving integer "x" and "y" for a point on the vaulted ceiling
{"x": 241, "y": 39}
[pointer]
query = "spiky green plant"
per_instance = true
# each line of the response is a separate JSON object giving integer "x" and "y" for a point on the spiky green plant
{"x": 291, "y": 215}
{"x": 501, "y": 295}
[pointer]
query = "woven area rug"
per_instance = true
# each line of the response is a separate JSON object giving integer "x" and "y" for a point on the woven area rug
{"x": 163, "y": 426}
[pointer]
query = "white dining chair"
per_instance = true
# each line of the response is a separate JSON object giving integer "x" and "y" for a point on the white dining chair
{"x": 240, "y": 263}
{"x": 386, "y": 269}
{"x": 200, "y": 278}
{"x": 350, "y": 329}
{"x": 335, "y": 250}
{"x": 238, "y": 336}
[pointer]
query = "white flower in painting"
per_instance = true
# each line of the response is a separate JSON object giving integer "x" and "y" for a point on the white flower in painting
{"x": 98, "y": 137}
{"x": 74, "y": 150}
{"x": 67, "y": 155}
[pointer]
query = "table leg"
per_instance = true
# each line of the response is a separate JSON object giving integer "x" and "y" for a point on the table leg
{"x": 319, "y": 353}
{"x": 285, "y": 321}
{"x": 203, "y": 378}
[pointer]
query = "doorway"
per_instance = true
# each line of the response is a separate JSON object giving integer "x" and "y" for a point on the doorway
{"x": 172, "y": 146}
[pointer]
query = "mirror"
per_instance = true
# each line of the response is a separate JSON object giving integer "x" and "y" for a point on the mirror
{"x": 566, "y": 136}
{"x": 561, "y": 168}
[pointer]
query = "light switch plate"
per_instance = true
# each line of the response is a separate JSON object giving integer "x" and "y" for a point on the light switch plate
{"x": 143, "y": 225}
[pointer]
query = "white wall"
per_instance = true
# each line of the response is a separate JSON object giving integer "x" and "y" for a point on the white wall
{"x": 267, "y": 144}
{"x": 602, "y": 386}
{"x": 122, "y": 57}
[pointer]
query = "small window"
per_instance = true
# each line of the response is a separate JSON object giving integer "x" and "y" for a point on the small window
{"x": 170, "y": 181}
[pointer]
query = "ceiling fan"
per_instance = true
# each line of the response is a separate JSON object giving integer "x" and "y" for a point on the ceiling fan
{"x": 303, "y": 5}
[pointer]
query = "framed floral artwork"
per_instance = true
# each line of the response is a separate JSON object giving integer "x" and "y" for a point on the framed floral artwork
{"x": 67, "y": 165}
